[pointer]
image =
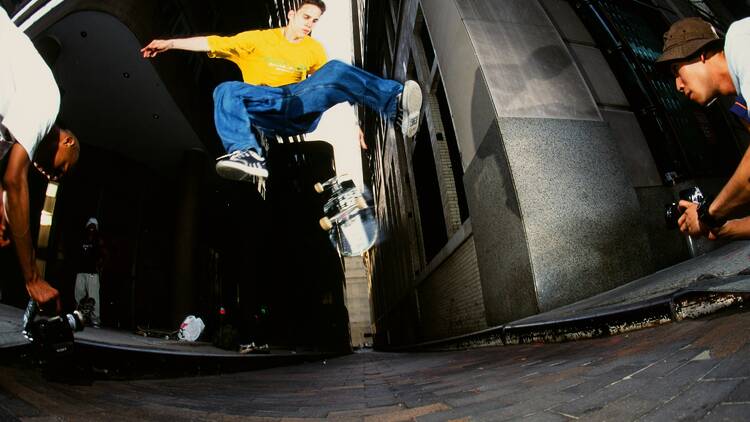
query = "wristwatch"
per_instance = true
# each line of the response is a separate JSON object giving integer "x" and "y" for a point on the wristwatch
{"x": 706, "y": 218}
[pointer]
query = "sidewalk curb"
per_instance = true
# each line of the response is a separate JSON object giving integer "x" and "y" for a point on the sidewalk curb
{"x": 709, "y": 295}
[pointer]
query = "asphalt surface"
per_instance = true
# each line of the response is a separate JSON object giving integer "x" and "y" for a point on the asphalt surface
{"x": 688, "y": 370}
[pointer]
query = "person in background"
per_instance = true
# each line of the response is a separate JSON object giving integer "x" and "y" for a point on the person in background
{"x": 91, "y": 258}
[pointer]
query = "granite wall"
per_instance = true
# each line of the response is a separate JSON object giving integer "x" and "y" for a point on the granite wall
{"x": 554, "y": 213}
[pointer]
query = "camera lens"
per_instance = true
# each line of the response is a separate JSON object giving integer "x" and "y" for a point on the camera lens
{"x": 75, "y": 321}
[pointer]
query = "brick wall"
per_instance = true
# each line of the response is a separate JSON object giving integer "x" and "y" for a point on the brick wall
{"x": 358, "y": 301}
{"x": 450, "y": 299}
{"x": 443, "y": 167}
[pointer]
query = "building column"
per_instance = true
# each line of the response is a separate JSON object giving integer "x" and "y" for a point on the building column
{"x": 186, "y": 235}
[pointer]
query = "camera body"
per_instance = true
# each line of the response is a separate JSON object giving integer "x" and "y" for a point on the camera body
{"x": 672, "y": 211}
{"x": 51, "y": 336}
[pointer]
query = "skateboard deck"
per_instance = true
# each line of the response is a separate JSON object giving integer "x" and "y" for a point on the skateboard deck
{"x": 150, "y": 332}
{"x": 348, "y": 218}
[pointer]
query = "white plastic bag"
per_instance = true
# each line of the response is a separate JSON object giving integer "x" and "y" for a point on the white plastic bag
{"x": 191, "y": 328}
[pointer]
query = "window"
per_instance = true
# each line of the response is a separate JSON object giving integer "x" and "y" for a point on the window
{"x": 449, "y": 135}
{"x": 431, "y": 214}
{"x": 420, "y": 29}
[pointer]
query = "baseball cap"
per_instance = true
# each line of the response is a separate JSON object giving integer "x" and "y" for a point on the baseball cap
{"x": 685, "y": 38}
{"x": 93, "y": 221}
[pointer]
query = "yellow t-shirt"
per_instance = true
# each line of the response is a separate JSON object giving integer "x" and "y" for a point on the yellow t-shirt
{"x": 266, "y": 57}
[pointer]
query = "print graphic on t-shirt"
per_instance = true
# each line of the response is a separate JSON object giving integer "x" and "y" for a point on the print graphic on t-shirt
{"x": 283, "y": 67}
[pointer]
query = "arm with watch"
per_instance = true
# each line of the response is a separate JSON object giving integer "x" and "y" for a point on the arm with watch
{"x": 699, "y": 220}
{"x": 711, "y": 219}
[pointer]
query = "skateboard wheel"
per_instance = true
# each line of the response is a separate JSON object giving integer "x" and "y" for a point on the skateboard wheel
{"x": 361, "y": 203}
{"x": 325, "y": 223}
{"x": 318, "y": 188}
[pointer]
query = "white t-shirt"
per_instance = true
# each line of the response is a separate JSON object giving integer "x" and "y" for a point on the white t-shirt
{"x": 29, "y": 97}
{"x": 737, "y": 52}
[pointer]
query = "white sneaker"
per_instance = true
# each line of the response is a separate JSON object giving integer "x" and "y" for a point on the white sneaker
{"x": 409, "y": 106}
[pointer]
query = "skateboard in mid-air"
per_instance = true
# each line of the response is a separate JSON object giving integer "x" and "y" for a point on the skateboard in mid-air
{"x": 348, "y": 219}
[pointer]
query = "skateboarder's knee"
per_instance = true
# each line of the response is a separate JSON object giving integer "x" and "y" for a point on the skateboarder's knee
{"x": 336, "y": 66}
{"x": 224, "y": 90}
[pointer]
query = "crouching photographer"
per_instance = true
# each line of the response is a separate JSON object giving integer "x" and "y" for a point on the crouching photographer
{"x": 705, "y": 66}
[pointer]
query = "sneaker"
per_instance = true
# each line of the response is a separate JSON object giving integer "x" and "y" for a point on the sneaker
{"x": 409, "y": 105}
{"x": 241, "y": 165}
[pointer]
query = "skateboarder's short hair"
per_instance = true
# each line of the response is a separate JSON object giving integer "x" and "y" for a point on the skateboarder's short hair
{"x": 317, "y": 3}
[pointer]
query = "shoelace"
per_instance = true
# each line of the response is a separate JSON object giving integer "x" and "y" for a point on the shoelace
{"x": 242, "y": 154}
{"x": 399, "y": 112}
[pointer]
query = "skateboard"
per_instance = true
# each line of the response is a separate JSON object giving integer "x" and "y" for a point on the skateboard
{"x": 150, "y": 332}
{"x": 252, "y": 348}
{"x": 348, "y": 219}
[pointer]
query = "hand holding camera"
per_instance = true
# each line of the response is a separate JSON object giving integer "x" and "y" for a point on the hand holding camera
{"x": 53, "y": 336}
{"x": 691, "y": 213}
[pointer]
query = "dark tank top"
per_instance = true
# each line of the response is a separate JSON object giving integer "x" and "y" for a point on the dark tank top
{"x": 89, "y": 256}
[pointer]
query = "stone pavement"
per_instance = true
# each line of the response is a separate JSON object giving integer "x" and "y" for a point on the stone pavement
{"x": 691, "y": 370}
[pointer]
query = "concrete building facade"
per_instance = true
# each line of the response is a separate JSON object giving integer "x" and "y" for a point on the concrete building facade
{"x": 547, "y": 149}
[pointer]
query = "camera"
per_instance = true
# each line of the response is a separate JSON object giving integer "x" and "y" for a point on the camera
{"x": 673, "y": 212}
{"x": 51, "y": 336}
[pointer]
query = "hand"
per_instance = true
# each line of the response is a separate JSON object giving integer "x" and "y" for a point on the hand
{"x": 42, "y": 292}
{"x": 361, "y": 137}
{"x": 732, "y": 229}
{"x": 4, "y": 239}
{"x": 689, "y": 222}
{"x": 155, "y": 47}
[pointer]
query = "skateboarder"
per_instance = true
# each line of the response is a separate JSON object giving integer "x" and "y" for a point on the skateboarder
{"x": 705, "y": 66}
{"x": 288, "y": 84}
{"x": 29, "y": 102}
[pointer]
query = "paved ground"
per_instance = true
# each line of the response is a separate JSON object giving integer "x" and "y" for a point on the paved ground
{"x": 691, "y": 370}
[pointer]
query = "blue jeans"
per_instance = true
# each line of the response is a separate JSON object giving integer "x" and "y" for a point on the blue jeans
{"x": 296, "y": 108}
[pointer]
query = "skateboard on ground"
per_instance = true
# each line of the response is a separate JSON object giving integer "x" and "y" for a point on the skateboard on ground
{"x": 348, "y": 219}
{"x": 150, "y": 332}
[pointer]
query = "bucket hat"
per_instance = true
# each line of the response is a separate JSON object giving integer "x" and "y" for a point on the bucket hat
{"x": 685, "y": 38}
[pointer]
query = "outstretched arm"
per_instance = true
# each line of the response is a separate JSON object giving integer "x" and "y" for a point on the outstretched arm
{"x": 735, "y": 194}
{"x": 733, "y": 229}
{"x": 188, "y": 44}
{"x": 15, "y": 182}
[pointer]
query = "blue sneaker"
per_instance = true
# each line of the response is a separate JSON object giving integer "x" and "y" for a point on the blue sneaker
{"x": 241, "y": 165}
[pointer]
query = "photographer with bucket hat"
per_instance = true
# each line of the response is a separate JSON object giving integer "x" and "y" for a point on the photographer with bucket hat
{"x": 706, "y": 66}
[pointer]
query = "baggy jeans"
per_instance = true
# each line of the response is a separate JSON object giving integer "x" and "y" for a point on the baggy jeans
{"x": 296, "y": 108}
{"x": 87, "y": 284}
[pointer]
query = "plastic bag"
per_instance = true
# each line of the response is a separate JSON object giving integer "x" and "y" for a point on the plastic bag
{"x": 191, "y": 328}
